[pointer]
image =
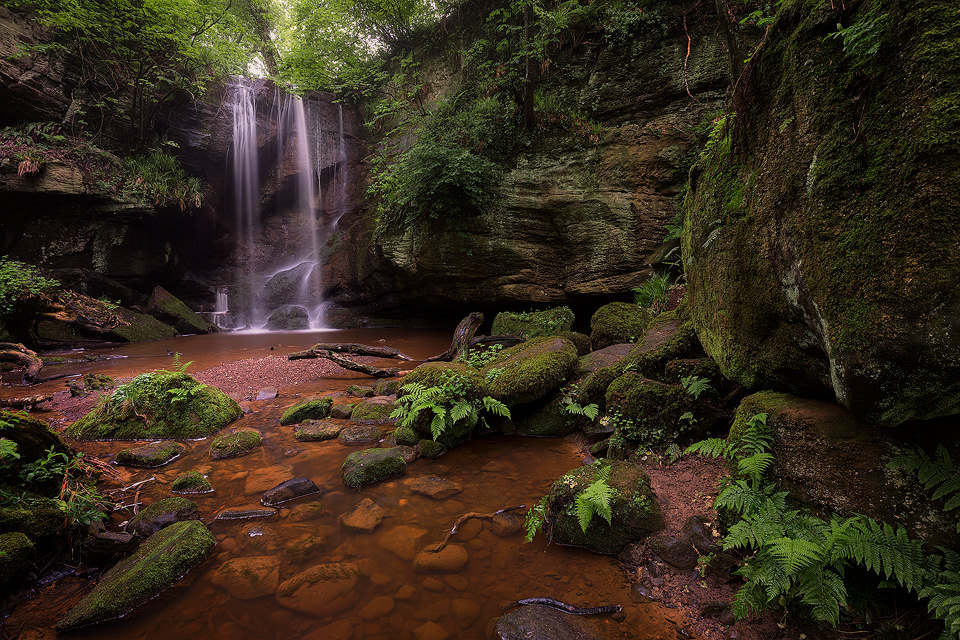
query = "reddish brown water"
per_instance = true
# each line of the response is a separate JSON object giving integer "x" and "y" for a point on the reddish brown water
{"x": 390, "y": 600}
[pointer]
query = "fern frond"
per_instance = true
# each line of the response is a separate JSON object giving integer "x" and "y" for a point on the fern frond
{"x": 713, "y": 447}
{"x": 795, "y": 554}
{"x": 460, "y": 410}
{"x": 886, "y": 550}
{"x": 595, "y": 499}
{"x": 494, "y": 406}
{"x": 439, "y": 423}
{"x": 824, "y": 590}
{"x": 756, "y": 465}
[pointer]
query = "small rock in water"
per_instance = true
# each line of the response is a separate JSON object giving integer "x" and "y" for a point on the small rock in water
{"x": 506, "y": 524}
{"x": 376, "y": 608}
{"x": 409, "y": 453}
{"x": 403, "y": 540}
{"x": 163, "y": 513}
{"x": 450, "y": 559}
{"x": 268, "y": 393}
{"x": 430, "y": 631}
{"x": 341, "y": 411}
{"x": 465, "y": 612}
{"x": 315, "y": 430}
{"x": 288, "y": 490}
{"x": 322, "y": 590}
{"x": 191, "y": 482}
{"x": 433, "y": 486}
{"x": 361, "y": 434}
{"x": 245, "y": 514}
{"x": 248, "y": 578}
{"x": 307, "y": 511}
{"x": 364, "y": 517}
{"x": 154, "y": 454}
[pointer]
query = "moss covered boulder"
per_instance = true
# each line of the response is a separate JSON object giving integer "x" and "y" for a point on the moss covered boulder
{"x": 157, "y": 565}
{"x": 616, "y": 323}
{"x": 580, "y": 340}
{"x": 406, "y": 436}
{"x": 533, "y": 324}
{"x": 163, "y": 513}
{"x": 360, "y": 434}
{"x": 89, "y": 382}
{"x": 167, "y": 308}
{"x": 373, "y": 410}
{"x": 32, "y": 437}
{"x": 39, "y": 518}
{"x": 436, "y": 374}
{"x": 530, "y": 371}
{"x": 159, "y": 404}
{"x": 154, "y": 454}
{"x": 16, "y": 556}
{"x": 430, "y": 449}
{"x": 316, "y": 430}
{"x": 820, "y": 229}
{"x": 232, "y": 445}
{"x": 634, "y": 510}
{"x": 140, "y": 327}
{"x": 651, "y": 412}
{"x": 315, "y": 409}
{"x": 191, "y": 482}
{"x": 371, "y": 466}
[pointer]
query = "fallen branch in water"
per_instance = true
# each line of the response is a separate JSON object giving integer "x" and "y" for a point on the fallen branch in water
{"x": 467, "y": 516}
{"x": 26, "y": 402}
{"x": 351, "y": 348}
{"x": 566, "y": 608}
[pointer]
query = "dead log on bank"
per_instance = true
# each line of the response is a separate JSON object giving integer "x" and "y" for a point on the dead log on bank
{"x": 462, "y": 336}
{"x": 20, "y": 355}
{"x": 28, "y": 402}
{"x": 370, "y": 370}
{"x": 348, "y": 347}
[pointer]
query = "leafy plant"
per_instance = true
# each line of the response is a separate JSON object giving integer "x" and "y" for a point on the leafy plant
{"x": 448, "y": 407}
{"x": 8, "y": 453}
{"x": 20, "y": 281}
{"x": 861, "y": 40}
{"x": 653, "y": 294}
{"x": 695, "y": 385}
{"x": 595, "y": 500}
{"x": 481, "y": 356}
{"x": 156, "y": 177}
{"x": 536, "y": 517}
{"x": 590, "y": 411}
{"x": 939, "y": 475}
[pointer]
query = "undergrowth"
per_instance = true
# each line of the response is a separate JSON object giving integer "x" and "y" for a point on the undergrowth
{"x": 450, "y": 412}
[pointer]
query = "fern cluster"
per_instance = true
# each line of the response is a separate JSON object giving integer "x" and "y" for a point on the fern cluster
{"x": 451, "y": 411}
{"x": 595, "y": 500}
{"x": 798, "y": 560}
{"x": 938, "y": 475}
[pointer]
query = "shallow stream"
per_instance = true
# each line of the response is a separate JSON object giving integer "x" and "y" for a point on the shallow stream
{"x": 391, "y": 600}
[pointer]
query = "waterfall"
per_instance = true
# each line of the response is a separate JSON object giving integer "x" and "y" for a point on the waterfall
{"x": 278, "y": 277}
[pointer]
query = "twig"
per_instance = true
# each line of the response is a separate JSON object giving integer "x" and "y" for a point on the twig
{"x": 467, "y": 516}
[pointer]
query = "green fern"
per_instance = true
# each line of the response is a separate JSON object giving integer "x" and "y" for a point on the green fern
{"x": 695, "y": 385}
{"x": 446, "y": 404}
{"x": 938, "y": 475}
{"x": 590, "y": 411}
{"x": 595, "y": 499}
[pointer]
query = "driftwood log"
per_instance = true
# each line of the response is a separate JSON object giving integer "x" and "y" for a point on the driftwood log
{"x": 348, "y": 347}
{"x": 370, "y": 370}
{"x": 20, "y": 355}
{"x": 27, "y": 402}
{"x": 462, "y": 336}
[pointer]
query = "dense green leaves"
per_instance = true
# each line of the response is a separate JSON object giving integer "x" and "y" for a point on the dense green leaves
{"x": 20, "y": 281}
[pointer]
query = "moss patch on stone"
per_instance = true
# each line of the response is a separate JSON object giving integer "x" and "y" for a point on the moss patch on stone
{"x": 141, "y": 327}
{"x": 580, "y": 340}
{"x": 634, "y": 508}
{"x": 154, "y": 454}
{"x": 232, "y": 445}
{"x": 159, "y": 404}
{"x": 16, "y": 555}
{"x": 371, "y": 466}
{"x": 90, "y": 382}
{"x": 157, "y": 565}
{"x": 316, "y": 409}
{"x": 31, "y": 435}
{"x": 163, "y": 513}
{"x": 530, "y": 371}
{"x": 38, "y": 518}
{"x": 618, "y": 322}
{"x": 316, "y": 430}
{"x": 191, "y": 482}
{"x": 406, "y": 436}
{"x": 376, "y": 409}
{"x": 435, "y": 374}
{"x": 533, "y": 324}
{"x": 167, "y": 308}
{"x": 648, "y": 411}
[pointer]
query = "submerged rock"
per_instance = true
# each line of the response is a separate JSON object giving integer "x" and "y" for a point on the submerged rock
{"x": 159, "y": 404}
{"x": 322, "y": 590}
{"x": 540, "y": 622}
{"x": 635, "y": 512}
{"x": 154, "y": 454}
{"x": 616, "y": 323}
{"x": 315, "y": 409}
{"x": 163, "y": 513}
{"x": 245, "y": 514}
{"x": 316, "y": 430}
{"x": 248, "y": 578}
{"x": 403, "y": 541}
{"x": 364, "y": 517}
{"x": 191, "y": 482}
{"x": 372, "y": 465}
{"x": 232, "y": 445}
{"x": 157, "y": 565}
{"x": 450, "y": 559}
{"x": 433, "y": 487}
{"x": 288, "y": 490}
{"x": 533, "y": 324}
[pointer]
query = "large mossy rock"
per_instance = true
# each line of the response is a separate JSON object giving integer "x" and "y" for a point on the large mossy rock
{"x": 153, "y": 454}
{"x": 531, "y": 370}
{"x": 157, "y": 565}
{"x": 533, "y": 324}
{"x": 163, "y": 513}
{"x": 373, "y": 410}
{"x": 436, "y": 374}
{"x": 820, "y": 231}
{"x": 315, "y": 409}
{"x": 634, "y": 508}
{"x": 159, "y": 404}
{"x": 32, "y": 437}
{"x": 141, "y": 327}
{"x": 618, "y": 322}
{"x": 167, "y": 308}
{"x": 16, "y": 556}
{"x": 832, "y": 462}
{"x": 235, "y": 444}
{"x": 649, "y": 411}
{"x": 371, "y": 466}
{"x": 40, "y": 518}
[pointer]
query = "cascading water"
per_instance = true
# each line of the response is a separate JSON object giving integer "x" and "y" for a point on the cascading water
{"x": 283, "y": 291}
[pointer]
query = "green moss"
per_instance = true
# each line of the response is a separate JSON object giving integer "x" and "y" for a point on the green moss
{"x": 531, "y": 370}
{"x": 386, "y": 387}
{"x": 372, "y": 410}
{"x": 435, "y": 374}
{"x": 315, "y": 409}
{"x": 648, "y": 411}
{"x": 163, "y": 513}
{"x": 232, "y": 445}
{"x": 32, "y": 436}
{"x": 90, "y": 382}
{"x": 43, "y": 518}
{"x": 158, "y": 564}
{"x": 634, "y": 507}
{"x": 141, "y": 327}
{"x": 407, "y": 436}
{"x": 159, "y": 404}
{"x": 314, "y": 430}
{"x": 16, "y": 555}
{"x": 533, "y": 324}
{"x": 154, "y": 454}
{"x": 371, "y": 466}
{"x": 580, "y": 340}
{"x": 616, "y": 323}
{"x": 191, "y": 482}
{"x": 430, "y": 449}
{"x": 359, "y": 391}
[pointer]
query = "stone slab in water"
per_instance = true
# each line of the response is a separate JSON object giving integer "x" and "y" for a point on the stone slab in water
{"x": 248, "y": 578}
{"x": 433, "y": 486}
{"x": 288, "y": 490}
{"x": 360, "y": 434}
{"x": 364, "y": 517}
{"x": 316, "y": 430}
{"x": 450, "y": 559}
{"x": 539, "y": 622}
{"x": 245, "y": 514}
{"x": 163, "y": 513}
{"x": 322, "y": 590}
{"x": 154, "y": 454}
{"x": 157, "y": 565}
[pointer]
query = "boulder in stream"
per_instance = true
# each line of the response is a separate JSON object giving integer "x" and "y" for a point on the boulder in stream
{"x": 16, "y": 556}
{"x": 314, "y": 409}
{"x": 158, "y": 404}
{"x": 364, "y": 517}
{"x": 433, "y": 486}
{"x": 235, "y": 444}
{"x": 248, "y": 578}
{"x": 360, "y": 434}
{"x": 315, "y": 430}
{"x": 531, "y": 370}
{"x": 163, "y": 513}
{"x": 191, "y": 482}
{"x": 154, "y": 454}
{"x": 288, "y": 490}
{"x": 322, "y": 590}
{"x": 373, "y": 410}
{"x": 372, "y": 465}
{"x": 157, "y": 565}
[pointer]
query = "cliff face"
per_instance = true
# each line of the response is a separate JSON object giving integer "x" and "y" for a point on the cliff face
{"x": 821, "y": 228}
{"x": 572, "y": 221}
